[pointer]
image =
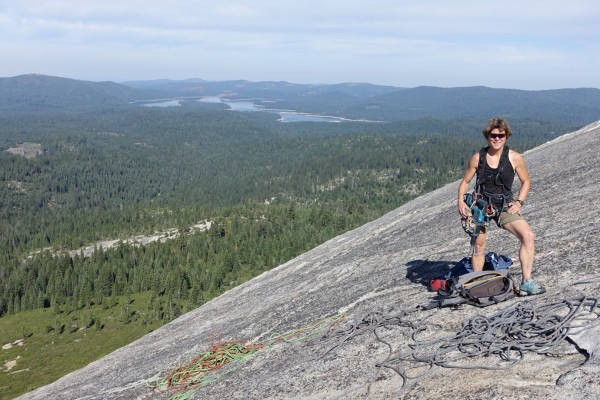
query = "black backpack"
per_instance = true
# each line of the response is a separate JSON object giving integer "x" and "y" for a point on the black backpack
{"x": 480, "y": 289}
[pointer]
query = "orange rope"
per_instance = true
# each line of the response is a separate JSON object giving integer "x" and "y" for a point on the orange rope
{"x": 197, "y": 372}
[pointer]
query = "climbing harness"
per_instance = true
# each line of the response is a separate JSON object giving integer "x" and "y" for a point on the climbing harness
{"x": 484, "y": 206}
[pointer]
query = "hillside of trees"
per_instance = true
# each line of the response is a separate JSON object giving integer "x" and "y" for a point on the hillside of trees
{"x": 116, "y": 171}
{"x": 142, "y": 170}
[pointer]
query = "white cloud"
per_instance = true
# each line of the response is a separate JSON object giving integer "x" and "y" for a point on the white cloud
{"x": 395, "y": 41}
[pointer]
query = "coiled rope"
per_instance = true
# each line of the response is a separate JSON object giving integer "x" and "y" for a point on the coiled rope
{"x": 528, "y": 326}
{"x": 224, "y": 358}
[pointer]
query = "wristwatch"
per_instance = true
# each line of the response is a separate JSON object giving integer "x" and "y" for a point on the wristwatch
{"x": 521, "y": 202}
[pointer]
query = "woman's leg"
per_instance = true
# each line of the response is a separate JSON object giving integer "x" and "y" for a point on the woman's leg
{"x": 478, "y": 257}
{"x": 523, "y": 232}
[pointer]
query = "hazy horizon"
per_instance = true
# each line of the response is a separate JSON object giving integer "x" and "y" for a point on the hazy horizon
{"x": 534, "y": 45}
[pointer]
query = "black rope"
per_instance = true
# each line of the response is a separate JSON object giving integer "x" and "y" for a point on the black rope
{"x": 528, "y": 326}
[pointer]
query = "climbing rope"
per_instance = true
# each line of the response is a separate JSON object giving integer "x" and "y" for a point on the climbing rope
{"x": 224, "y": 358}
{"x": 529, "y": 326}
{"x": 510, "y": 333}
{"x": 196, "y": 372}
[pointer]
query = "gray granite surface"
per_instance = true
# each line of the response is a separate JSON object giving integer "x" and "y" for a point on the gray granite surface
{"x": 382, "y": 269}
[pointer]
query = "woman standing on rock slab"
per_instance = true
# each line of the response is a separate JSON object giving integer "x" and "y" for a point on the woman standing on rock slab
{"x": 495, "y": 167}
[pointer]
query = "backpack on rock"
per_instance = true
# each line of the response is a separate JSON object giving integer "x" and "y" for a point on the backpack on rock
{"x": 480, "y": 289}
{"x": 493, "y": 262}
{"x": 483, "y": 288}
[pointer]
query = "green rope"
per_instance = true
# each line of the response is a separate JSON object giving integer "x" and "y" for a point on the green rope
{"x": 224, "y": 358}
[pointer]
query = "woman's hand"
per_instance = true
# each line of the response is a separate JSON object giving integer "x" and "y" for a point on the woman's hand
{"x": 463, "y": 209}
{"x": 514, "y": 207}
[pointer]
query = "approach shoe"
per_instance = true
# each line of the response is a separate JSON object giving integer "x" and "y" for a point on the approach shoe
{"x": 530, "y": 287}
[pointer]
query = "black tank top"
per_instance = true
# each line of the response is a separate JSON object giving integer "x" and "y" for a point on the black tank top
{"x": 497, "y": 181}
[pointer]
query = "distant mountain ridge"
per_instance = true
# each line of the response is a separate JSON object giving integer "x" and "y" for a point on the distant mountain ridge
{"x": 348, "y": 100}
{"x": 271, "y": 89}
{"x": 388, "y": 103}
{"x": 34, "y": 92}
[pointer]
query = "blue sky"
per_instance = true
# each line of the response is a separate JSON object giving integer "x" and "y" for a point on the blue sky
{"x": 517, "y": 44}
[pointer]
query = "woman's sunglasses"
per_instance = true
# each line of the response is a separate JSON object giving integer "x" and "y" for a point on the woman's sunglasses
{"x": 497, "y": 135}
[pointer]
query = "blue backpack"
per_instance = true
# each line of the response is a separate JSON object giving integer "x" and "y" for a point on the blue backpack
{"x": 493, "y": 262}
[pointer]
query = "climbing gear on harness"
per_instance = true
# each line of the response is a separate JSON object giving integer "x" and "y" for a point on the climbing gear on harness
{"x": 484, "y": 206}
{"x": 469, "y": 226}
{"x": 477, "y": 215}
{"x": 480, "y": 289}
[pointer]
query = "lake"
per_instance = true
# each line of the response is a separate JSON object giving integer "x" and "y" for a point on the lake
{"x": 285, "y": 115}
{"x": 244, "y": 106}
{"x": 161, "y": 103}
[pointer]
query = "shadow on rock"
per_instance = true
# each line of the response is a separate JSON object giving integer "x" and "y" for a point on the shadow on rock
{"x": 421, "y": 271}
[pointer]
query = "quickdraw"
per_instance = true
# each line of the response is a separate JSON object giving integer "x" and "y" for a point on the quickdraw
{"x": 479, "y": 213}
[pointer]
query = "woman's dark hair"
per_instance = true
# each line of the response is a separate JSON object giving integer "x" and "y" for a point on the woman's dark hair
{"x": 498, "y": 123}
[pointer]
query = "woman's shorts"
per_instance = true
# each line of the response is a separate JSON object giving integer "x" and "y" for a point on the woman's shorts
{"x": 503, "y": 219}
